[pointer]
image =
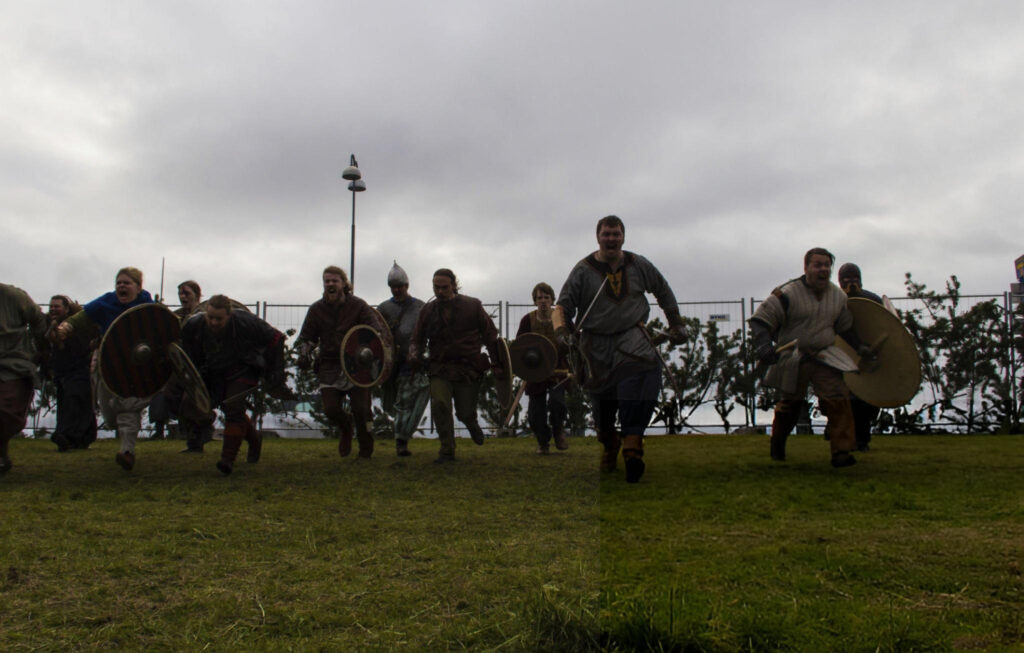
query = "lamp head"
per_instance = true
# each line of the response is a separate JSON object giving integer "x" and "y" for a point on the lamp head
{"x": 351, "y": 173}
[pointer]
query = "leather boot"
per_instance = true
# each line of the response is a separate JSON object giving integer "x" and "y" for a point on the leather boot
{"x": 5, "y": 461}
{"x": 345, "y": 441}
{"x": 234, "y": 433}
{"x": 785, "y": 418}
{"x": 476, "y": 433}
{"x": 194, "y": 441}
{"x": 255, "y": 441}
{"x": 610, "y": 455}
{"x": 561, "y": 442}
{"x": 63, "y": 444}
{"x": 633, "y": 456}
{"x": 778, "y": 446}
{"x": 543, "y": 440}
{"x": 402, "y": 447}
{"x": 125, "y": 459}
{"x": 843, "y": 459}
{"x": 365, "y": 443}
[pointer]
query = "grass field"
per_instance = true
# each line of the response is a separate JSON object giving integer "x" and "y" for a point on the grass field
{"x": 918, "y": 547}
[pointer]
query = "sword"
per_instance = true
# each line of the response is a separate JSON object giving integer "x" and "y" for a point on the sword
{"x": 515, "y": 404}
{"x": 579, "y": 326}
{"x": 664, "y": 363}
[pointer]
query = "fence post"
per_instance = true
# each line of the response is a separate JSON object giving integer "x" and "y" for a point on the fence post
{"x": 752, "y": 398}
{"x": 748, "y": 419}
{"x": 1012, "y": 353}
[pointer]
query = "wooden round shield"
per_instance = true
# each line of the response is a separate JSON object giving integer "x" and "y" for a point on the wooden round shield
{"x": 188, "y": 375}
{"x": 503, "y": 382}
{"x": 893, "y": 379}
{"x": 133, "y": 358}
{"x": 366, "y": 357}
{"x": 533, "y": 356}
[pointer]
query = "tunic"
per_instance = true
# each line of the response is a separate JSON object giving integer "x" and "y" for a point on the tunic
{"x": 327, "y": 323}
{"x": 455, "y": 331}
{"x": 237, "y": 350}
{"x": 794, "y": 311}
{"x": 22, "y": 326}
{"x": 611, "y": 336}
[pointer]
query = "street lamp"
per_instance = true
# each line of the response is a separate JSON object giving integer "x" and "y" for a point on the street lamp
{"x": 356, "y": 185}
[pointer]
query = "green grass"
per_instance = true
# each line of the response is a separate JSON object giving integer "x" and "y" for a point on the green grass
{"x": 918, "y": 547}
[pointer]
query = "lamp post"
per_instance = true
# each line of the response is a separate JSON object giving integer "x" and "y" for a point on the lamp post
{"x": 356, "y": 185}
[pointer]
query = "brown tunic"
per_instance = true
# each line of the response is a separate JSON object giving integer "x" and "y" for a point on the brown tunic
{"x": 326, "y": 324}
{"x": 454, "y": 332}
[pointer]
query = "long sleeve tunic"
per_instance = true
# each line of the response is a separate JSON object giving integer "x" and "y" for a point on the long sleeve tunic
{"x": 454, "y": 332}
{"x": 327, "y": 323}
{"x": 22, "y": 325}
{"x": 794, "y": 311}
{"x": 612, "y": 336}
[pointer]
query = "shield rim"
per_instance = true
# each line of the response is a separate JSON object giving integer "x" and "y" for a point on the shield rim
{"x": 387, "y": 355}
{"x": 385, "y": 332}
{"x": 855, "y": 380}
{"x": 503, "y": 386}
{"x": 541, "y": 342}
{"x": 197, "y": 392}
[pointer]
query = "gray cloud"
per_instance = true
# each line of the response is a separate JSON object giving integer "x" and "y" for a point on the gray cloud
{"x": 730, "y": 137}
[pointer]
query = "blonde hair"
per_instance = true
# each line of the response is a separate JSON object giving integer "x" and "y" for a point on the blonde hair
{"x": 135, "y": 274}
{"x": 334, "y": 269}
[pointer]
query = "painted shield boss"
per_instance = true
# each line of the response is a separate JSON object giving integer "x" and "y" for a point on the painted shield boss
{"x": 503, "y": 382}
{"x": 366, "y": 356}
{"x": 189, "y": 377}
{"x": 534, "y": 357}
{"x": 133, "y": 358}
{"x": 893, "y": 379}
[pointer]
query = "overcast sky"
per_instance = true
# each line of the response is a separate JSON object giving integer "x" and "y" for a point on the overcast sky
{"x": 730, "y": 137}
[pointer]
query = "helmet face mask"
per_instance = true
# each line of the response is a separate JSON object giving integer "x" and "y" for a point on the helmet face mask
{"x": 849, "y": 278}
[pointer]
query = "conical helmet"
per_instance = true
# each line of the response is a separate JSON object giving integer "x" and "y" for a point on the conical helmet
{"x": 397, "y": 276}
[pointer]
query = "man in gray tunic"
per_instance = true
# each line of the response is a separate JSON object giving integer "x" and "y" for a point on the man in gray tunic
{"x": 811, "y": 310}
{"x": 405, "y": 394}
{"x": 22, "y": 326}
{"x": 605, "y": 297}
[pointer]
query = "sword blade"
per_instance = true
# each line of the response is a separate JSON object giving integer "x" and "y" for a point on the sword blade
{"x": 579, "y": 326}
